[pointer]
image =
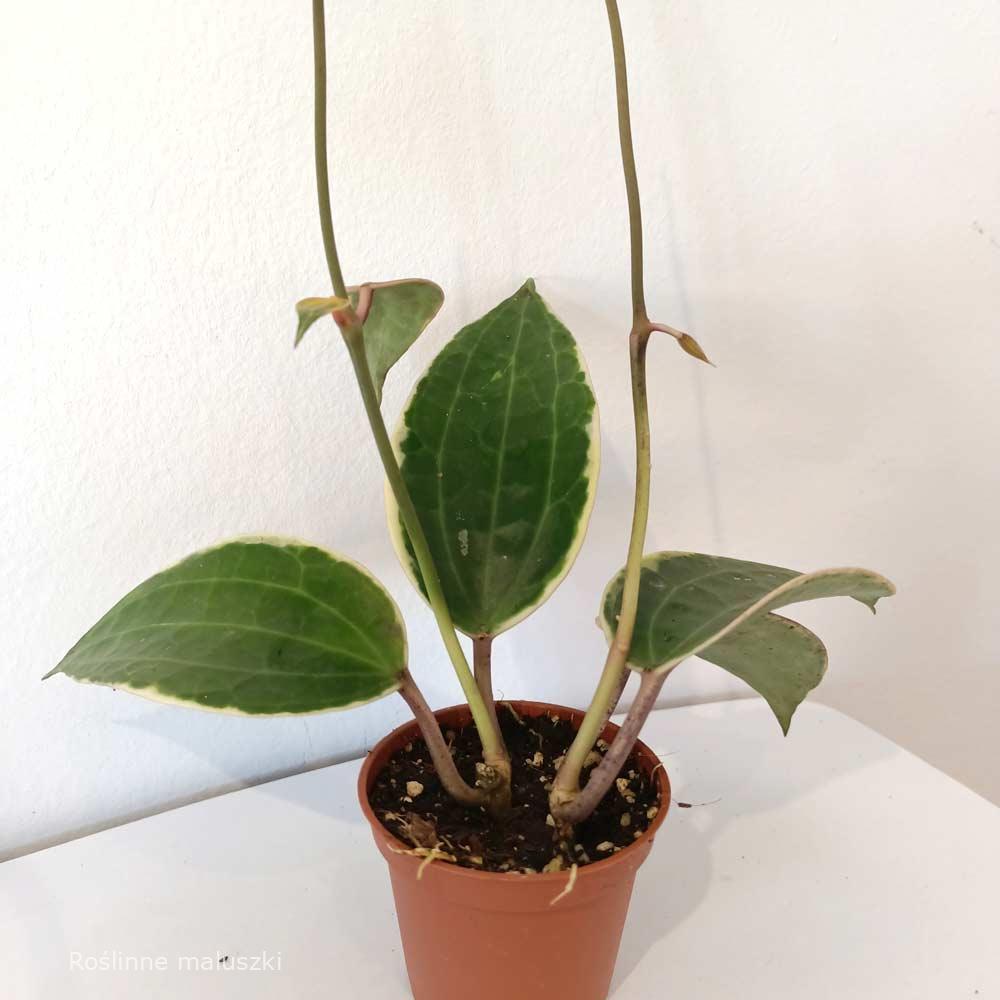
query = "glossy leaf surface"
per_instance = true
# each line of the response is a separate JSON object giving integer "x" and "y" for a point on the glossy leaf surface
{"x": 499, "y": 447}
{"x": 255, "y": 626}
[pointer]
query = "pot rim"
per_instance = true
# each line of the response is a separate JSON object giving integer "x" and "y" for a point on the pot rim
{"x": 367, "y": 776}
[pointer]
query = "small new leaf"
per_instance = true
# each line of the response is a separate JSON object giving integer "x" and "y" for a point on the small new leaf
{"x": 310, "y": 310}
{"x": 779, "y": 658}
{"x": 395, "y": 314}
{"x": 685, "y": 341}
{"x": 691, "y": 346}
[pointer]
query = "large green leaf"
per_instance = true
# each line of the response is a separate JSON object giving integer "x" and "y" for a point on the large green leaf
{"x": 718, "y": 608}
{"x": 499, "y": 447}
{"x": 254, "y": 626}
{"x": 395, "y": 313}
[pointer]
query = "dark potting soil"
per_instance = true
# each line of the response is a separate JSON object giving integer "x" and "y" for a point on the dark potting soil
{"x": 411, "y": 803}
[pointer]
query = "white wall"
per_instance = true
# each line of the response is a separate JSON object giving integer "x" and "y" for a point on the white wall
{"x": 822, "y": 192}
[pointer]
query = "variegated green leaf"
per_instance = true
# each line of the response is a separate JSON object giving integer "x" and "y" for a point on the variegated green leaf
{"x": 499, "y": 447}
{"x": 719, "y": 609}
{"x": 394, "y": 314}
{"x": 254, "y": 626}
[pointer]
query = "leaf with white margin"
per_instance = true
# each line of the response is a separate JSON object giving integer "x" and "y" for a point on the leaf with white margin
{"x": 254, "y": 626}
{"x": 499, "y": 446}
{"x": 718, "y": 608}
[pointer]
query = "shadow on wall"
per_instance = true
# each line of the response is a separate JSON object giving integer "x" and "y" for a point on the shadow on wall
{"x": 220, "y": 747}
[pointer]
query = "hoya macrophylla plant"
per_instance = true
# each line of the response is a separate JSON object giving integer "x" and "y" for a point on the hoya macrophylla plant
{"x": 490, "y": 479}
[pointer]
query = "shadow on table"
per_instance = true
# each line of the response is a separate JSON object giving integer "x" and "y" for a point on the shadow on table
{"x": 752, "y": 773}
{"x": 669, "y": 886}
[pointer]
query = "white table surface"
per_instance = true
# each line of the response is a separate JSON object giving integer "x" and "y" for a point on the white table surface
{"x": 832, "y": 865}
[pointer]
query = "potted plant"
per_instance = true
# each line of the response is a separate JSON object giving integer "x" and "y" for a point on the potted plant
{"x": 512, "y": 831}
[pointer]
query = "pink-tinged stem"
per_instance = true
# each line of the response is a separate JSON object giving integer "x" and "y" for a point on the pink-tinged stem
{"x": 444, "y": 764}
{"x": 604, "y": 775}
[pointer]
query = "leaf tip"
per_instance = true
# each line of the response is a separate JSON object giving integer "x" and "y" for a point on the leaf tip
{"x": 872, "y": 605}
{"x": 691, "y": 346}
{"x": 529, "y": 286}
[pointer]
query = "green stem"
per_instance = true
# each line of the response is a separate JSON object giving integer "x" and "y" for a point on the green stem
{"x": 493, "y": 749}
{"x": 482, "y": 666}
{"x": 494, "y": 753}
{"x": 628, "y": 164}
{"x": 567, "y": 784}
{"x": 322, "y": 168}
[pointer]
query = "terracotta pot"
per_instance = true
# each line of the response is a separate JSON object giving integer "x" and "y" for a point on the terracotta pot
{"x": 471, "y": 935}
